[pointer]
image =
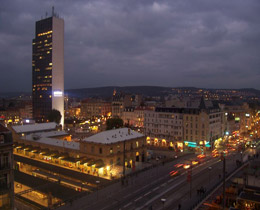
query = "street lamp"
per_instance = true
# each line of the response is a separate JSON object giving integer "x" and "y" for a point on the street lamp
{"x": 157, "y": 160}
{"x": 209, "y": 172}
{"x": 97, "y": 182}
{"x": 163, "y": 201}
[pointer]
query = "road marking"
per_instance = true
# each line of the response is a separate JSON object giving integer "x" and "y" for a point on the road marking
{"x": 125, "y": 206}
{"x": 162, "y": 185}
{"x": 156, "y": 188}
{"x": 147, "y": 193}
{"x": 138, "y": 198}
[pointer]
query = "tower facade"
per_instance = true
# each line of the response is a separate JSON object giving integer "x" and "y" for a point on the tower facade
{"x": 48, "y": 68}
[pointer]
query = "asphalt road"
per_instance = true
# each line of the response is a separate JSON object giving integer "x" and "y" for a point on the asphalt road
{"x": 147, "y": 189}
{"x": 117, "y": 195}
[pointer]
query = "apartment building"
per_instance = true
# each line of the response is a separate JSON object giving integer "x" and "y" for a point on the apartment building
{"x": 179, "y": 127}
{"x": 164, "y": 126}
{"x": 134, "y": 116}
{"x": 95, "y": 107}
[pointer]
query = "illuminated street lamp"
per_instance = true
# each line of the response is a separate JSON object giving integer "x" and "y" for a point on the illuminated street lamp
{"x": 97, "y": 182}
{"x": 163, "y": 201}
{"x": 209, "y": 172}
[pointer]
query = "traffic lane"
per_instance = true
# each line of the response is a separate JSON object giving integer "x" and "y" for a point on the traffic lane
{"x": 205, "y": 168}
{"x": 205, "y": 179}
{"x": 162, "y": 191}
{"x": 136, "y": 186}
{"x": 148, "y": 176}
{"x": 138, "y": 201}
{"x": 135, "y": 196}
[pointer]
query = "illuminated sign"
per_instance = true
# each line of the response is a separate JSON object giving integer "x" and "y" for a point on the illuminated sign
{"x": 247, "y": 115}
{"x": 57, "y": 93}
{"x": 237, "y": 119}
{"x": 27, "y": 121}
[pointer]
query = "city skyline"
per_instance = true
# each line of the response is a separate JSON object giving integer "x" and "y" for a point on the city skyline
{"x": 160, "y": 43}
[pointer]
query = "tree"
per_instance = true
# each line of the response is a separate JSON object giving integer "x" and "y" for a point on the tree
{"x": 54, "y": 116}
{"x": 114, "y": 123}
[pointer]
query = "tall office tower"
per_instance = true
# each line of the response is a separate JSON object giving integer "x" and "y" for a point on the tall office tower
{"x": 6, "y": 169}
{"x": 48, "y": 68}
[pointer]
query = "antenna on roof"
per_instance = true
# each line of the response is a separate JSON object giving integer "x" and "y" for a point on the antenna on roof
{"x": 52, "y": 10}
{"x": 46, "y": 14}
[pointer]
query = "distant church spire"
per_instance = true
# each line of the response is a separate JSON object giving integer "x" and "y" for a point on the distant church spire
{"x": 114, "y": 92}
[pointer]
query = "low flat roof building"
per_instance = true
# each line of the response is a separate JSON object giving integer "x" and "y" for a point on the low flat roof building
{"x": 33, "y": 128}
{"x": 100, "y": 154}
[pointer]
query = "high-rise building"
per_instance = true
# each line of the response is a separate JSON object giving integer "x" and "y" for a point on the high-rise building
{"x": 48, "y": 68}
{"x": 6, "y": 169}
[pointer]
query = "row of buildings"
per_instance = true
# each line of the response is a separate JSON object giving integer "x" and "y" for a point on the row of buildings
{"x": 175, "y": 122}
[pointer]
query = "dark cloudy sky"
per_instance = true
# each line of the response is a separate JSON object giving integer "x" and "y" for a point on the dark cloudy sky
{"x": 202, "y": 43}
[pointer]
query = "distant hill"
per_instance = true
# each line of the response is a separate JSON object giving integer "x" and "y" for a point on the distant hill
{"x": 14, "y": 94}
{"x": 106, "y": 92}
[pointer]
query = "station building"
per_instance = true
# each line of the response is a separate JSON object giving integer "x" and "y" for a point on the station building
{"x": 101, "y": 154}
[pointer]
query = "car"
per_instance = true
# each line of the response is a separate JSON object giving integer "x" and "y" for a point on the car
{"x": 201, "y": 156}
{"x": 186, "y": 166}
{"x": 215, "y": 155}
{"x": 195, "y": 162}
{"x": 174, "y": 173}
{"x": 178, "y": 165}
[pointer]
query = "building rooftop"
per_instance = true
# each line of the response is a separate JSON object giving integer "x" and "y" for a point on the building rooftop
{"x": 113, "y": 136}
{"x": 34, "y": 127}
{"x": 47, "y": 134}
{"x": 53, "y": 142}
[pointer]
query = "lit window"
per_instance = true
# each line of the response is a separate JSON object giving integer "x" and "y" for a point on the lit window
{"x": 50, "y": 64}
{"x": 45, "y": 33}
{"x": 40, "y": 96}
{"x": 49, "y": 96}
